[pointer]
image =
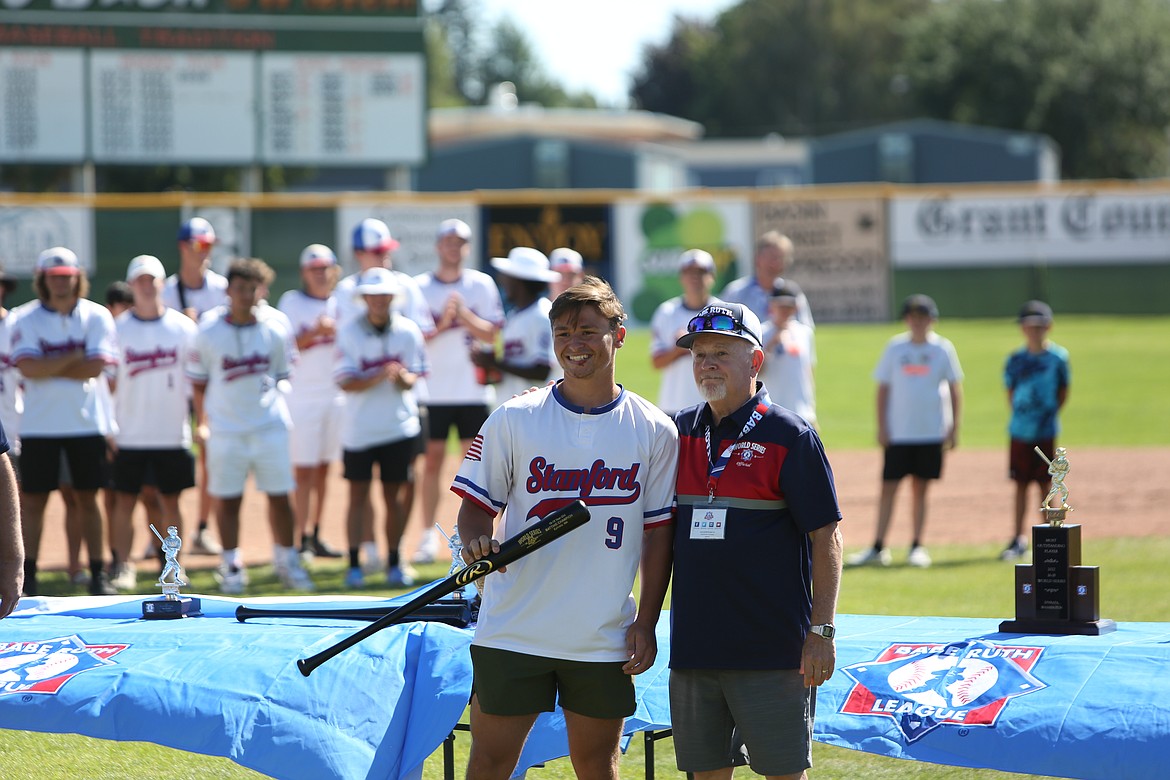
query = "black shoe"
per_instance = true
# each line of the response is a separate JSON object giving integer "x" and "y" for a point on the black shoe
{"x": 100, "y": 585}
{"x": 318, "y": 547}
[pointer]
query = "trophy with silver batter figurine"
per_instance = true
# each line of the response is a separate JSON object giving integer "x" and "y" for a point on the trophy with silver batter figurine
{"x": 1055, "y": 594}
{"x": 172, "y": 605}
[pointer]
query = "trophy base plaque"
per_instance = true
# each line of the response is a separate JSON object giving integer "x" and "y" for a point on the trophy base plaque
{"x": 170, "y": 609}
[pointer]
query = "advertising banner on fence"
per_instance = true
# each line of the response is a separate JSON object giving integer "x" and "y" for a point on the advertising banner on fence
{"x": 941, "y": 230}
{"x": 547, "y": 227}
{"x": 649, "y": 237}
{"x": 840, "y": 254}
{"x": 413, "y": 225}
{"x": 25, "y": 231}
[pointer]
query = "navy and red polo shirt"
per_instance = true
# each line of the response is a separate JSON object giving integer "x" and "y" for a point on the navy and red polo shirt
{"x": 745, "y": 601}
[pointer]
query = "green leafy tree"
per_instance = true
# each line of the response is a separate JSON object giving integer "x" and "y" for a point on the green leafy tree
{"x": 1092, "y": 74}
{"x": 800, "y": 67}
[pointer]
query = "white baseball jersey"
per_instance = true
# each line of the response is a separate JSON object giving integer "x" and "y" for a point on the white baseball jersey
{"x": 452, "y": 378}
{"x": 241, "y": 366}
{"x": 788, "y": 368}
{"x": 384, "y": 413}
{"x": 527, "y": 338}
{"x": 572, "y": 599}
{"x": 312, "y": 378}
{"x": 920, "y": 395}
{"x": 11, "y": 402}
{"x": 57, "y": 406}
{"x": 152, "y": 388}
{"x": 202, "y": 299}
{"x": 410, "y": 302}
{"x": 677, "y": 389}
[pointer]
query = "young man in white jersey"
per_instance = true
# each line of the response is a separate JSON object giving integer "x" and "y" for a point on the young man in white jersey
{"x": 243, "y": 421}
{"x": 562, "y": 624}
{"x": 527, "y": 337}
{"x": 151, "y": 402}
{"x": 696, "y": 273}
{"x": 314, "y": 402}
{"x": 61, "y": 346}
{"x": 373, "y": 247}
{"x": 194, "y": 290}
{"x": 11, "y": 403}
{"x": 468, "y": 314}
{"x": 380, "y": 358}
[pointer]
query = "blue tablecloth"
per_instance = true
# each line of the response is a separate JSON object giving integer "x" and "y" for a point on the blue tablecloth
{"x": 945, "y": 690}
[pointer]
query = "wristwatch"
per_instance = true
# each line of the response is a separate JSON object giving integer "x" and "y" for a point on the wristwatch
{"x": 825, "y": 629}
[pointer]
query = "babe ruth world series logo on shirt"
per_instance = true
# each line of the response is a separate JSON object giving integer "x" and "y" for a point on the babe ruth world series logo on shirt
{"x": 924, "y": 686}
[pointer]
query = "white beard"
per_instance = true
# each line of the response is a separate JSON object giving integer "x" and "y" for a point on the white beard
{"x": 713, "y": 392}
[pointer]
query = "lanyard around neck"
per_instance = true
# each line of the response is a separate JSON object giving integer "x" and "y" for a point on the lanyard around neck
{"x": 715, "y": 470}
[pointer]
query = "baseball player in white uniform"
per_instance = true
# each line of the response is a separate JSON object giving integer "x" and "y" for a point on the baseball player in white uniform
{"x": 11, "y": 402}
{"x": 314, "y": 400}
{"x": 789, "y": 354}
{"x": 543, "y": 636}
{"x": 380, "y": 359}
{"x": 677, "y": 390}
{"x": 61, "y": 345}
{"x": 468, "y": 313}
{"x": 237, "y": 362}
{"x": 527, "y": 337}
{"x": 151, "y": 401}
{"x": 195, "y": 290}
{"x": 373, "y": 247}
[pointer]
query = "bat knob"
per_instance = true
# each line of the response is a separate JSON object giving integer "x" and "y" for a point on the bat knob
{"x": 305, "y": 667}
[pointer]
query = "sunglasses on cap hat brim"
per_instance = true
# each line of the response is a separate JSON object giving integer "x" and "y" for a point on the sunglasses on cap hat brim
{"x": 719, "y": 323}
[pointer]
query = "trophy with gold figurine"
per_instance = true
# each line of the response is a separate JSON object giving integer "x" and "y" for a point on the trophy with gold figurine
{"x": 1055, "y": 594}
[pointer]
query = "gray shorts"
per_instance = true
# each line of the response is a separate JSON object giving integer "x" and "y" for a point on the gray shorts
{"x": 716, "y": 714}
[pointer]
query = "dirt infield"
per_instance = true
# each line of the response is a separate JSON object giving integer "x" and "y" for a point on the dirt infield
{"x": 1115, "y": 492}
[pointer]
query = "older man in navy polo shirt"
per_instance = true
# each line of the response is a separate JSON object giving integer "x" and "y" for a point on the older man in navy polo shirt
{"x": 756, "y": 543}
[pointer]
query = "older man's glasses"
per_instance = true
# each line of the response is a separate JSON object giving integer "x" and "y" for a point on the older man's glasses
{"x": 715, "y": 322}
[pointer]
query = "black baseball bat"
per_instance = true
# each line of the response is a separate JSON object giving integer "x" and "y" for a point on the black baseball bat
{"x": 544, "y": 531}
{"x": 446, "y": 612}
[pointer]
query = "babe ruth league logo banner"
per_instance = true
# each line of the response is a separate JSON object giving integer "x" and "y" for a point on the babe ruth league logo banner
{"x": 923, "y": 686}
{"x": 45, "y": 666}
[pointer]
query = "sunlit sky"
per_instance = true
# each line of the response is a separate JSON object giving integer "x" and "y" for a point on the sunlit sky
{"x": 596, "y": 44}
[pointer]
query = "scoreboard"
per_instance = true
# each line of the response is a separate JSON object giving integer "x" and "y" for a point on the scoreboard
{"x": 213, "y": 82}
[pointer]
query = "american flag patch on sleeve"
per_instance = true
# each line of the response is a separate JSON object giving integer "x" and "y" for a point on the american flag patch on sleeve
{"x": 475, "y": 451}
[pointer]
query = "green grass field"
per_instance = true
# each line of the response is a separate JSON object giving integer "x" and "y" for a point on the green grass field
{"x": 1120, "y": 366}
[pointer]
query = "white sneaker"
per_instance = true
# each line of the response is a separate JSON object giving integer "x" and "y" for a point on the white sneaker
{"x": 371, "y": 561}
{"x": 205, "y": 545}
{"x": 294, "y": 576}
{"x": 232, "y": 580}
{"x": 919, "y": 557}
{"x": 870, "y": 556}
{"x": 125, "y": 577}
{"x": 428, "y": 547}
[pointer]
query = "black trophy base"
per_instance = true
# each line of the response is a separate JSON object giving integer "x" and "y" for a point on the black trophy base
{"x": 170, "y": 609}
{"x": 1085, "y": 628}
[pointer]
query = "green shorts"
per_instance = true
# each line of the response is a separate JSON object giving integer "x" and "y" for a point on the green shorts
{"x": 509, "y": 683}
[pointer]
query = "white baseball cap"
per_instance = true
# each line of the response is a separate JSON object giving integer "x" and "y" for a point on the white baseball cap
{"x": 58, "y": 261}
{"x": 377, "y": 281}
{"x": 696, "y": 258}
{"x": 524, "y": 262}
{"x": 454, "y": 227}
{"x": 316, "y": 255}
{"x": 565, "y": 259}
{"x": 145, "y": 264}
